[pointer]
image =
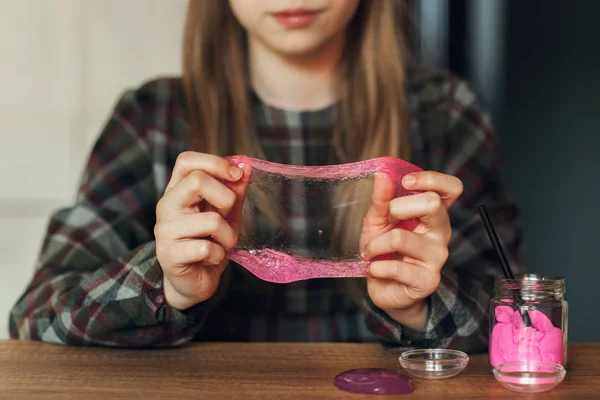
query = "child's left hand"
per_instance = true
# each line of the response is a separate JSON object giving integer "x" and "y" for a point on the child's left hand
{"x": 406, "y": 266}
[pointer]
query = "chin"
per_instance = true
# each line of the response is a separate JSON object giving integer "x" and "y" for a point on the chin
{"x": 299, "y": 48}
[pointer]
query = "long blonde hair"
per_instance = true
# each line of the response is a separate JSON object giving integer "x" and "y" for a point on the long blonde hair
{"x": 372, "y": 116}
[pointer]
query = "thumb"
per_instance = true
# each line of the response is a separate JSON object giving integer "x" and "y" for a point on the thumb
{"x": 377, "y": 219}
{"x": 240, "y": 188}
{"x": 384, "y": 191}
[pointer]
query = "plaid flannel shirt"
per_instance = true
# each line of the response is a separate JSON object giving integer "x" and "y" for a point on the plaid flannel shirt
{"x": 98, "y": 281}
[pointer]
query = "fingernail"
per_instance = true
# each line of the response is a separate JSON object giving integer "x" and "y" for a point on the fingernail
{"x": 236, "y": 172}
{"x": 409, "y": 180}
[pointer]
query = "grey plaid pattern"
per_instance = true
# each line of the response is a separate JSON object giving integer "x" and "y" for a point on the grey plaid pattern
{"x": 98, "y": 280}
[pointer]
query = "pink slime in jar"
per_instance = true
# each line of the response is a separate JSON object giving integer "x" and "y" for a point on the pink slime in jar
{"x": 512, "y": 341}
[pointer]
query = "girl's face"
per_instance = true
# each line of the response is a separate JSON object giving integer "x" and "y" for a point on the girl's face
{"x": 294, "y": 27}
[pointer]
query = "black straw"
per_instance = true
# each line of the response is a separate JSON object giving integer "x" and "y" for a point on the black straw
{"x": 508, "y": 274}
{"x": 489, "y": 227}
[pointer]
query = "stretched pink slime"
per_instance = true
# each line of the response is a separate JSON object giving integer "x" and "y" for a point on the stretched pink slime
{"x": 280, "y": 267}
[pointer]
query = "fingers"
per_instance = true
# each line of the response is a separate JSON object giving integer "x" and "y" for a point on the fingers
{"x": 411, "y": 275}
{"x": 199, "y": 225}
{"x": 195, "y": 187}
{"x": 448, "y": 187}
{"x": 212, "y": 165}
{"x": 406, "y": 243}
{"x": 190, "y": 252}
{"x": 428, "y": 207}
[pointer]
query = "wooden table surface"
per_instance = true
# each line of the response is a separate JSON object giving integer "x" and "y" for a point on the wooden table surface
{"x": 247, "y": 371}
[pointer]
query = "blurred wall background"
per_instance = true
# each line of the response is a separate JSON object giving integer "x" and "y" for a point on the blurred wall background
{"x": 550, "y": 131}
{"x": 65, "y": 62}
{"x": 63, "y": 65}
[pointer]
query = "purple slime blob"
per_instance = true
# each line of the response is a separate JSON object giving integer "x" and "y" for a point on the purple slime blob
{"x": 277, "y": 244}
{"x": 378, "y": 381}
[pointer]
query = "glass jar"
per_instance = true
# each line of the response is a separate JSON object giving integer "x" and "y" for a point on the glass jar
{"x": 529, "y": 320}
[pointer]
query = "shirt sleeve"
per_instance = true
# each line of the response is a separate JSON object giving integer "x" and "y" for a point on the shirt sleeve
{"x": 97, "y": 280}
{"x": 459, "y": 309}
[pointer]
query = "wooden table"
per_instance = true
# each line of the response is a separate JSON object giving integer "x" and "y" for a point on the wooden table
{"x": 246, "y": 371}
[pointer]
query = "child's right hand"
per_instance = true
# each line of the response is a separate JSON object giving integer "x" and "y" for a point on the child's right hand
{"x": 197, "y": 223}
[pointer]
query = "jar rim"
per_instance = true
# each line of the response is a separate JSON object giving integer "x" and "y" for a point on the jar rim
{"x": 531, "y": 283}
{"x": 531, "y": 278}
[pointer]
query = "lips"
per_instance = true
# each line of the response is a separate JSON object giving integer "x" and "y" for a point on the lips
{"x": 296, "y": 19}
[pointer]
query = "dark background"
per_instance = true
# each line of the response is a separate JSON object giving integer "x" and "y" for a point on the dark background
{"x": 545, "y": 98}
{"x": 550, "y": 132}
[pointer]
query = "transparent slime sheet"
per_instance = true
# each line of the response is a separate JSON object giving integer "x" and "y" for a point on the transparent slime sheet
{"x": 303, "y": 222}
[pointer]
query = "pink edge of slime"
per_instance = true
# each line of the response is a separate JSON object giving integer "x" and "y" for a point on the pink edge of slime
{"x": 265, "y": 264}
{"x": 395, "y": 168}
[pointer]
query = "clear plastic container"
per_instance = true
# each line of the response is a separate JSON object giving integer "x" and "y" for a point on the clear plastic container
{"x": 529, "y": 320}
{"x": 434, "y": 363}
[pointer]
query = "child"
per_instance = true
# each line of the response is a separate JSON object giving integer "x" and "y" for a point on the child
{"x": 140, "y": 259}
